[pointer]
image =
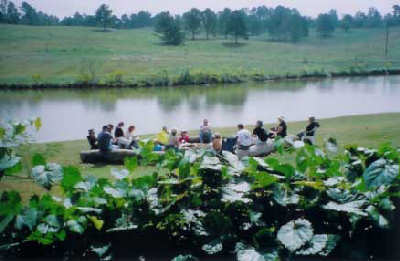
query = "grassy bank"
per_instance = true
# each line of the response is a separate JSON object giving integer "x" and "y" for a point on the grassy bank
{"x": 363, "y": 130}
{"x": 69, "y": 55}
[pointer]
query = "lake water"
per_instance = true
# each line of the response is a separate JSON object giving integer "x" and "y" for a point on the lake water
{"x": 68, "y": 114}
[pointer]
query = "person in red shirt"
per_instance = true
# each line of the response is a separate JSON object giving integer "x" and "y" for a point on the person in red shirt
{"x": 184, "y": 138}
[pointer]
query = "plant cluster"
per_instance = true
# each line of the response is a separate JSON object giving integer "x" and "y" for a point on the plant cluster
{"x": 205, "y": 204}
{"x": 12, "y": 135}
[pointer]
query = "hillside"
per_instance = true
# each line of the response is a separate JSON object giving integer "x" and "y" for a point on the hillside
{"x": 60, "y": 54}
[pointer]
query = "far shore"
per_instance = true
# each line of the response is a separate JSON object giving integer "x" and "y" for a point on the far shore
{"x": 202, "y": 79}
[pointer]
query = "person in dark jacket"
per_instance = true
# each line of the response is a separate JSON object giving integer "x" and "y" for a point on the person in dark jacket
{"x": 309, "y": 133}
{"x": 260, "y": 132}
{"x": 119, "y": 132}
{"x": 92, "y": 140}
{"x": 105, "y": 140}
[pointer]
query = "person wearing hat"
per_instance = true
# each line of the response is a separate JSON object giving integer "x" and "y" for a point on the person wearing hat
{"x": 92, "y": 139}
{"x": 281, "y": 129}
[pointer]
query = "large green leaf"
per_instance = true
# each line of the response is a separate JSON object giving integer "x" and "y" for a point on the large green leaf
{"x": 10, "y": 203}
{"x": 379, "y": 219}
{"x": 119, "y": 174}
{"x": 235, "y": 192}
{"x": 75, "y": 226}
{"x": 48, "y": 175}
{"x": 249, "y": 255}
{"x": 284, "y": 196}
{"x": 213, "y": 247}
{"x": 184, "y": 258}
{"x": 354, "y": 207}
{"x": 131, "y": 163}
{"x": 72, "y": 176}
{"x": 5, "y": 222}
{"x": 101, "y": 249}
{"x": 8, "y": 161}
{"x": 321, "y": 244}
{"x": 316, "y": 245}
{"x": 210, "y": 163}
{"x": 379, "y": 173}
{"x": 295, "y": 234}
{"x": 29, "y": 218}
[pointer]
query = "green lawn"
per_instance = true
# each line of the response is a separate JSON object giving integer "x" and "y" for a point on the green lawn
{"x": 58, "y": 54}
{"x": 364, "y": 130}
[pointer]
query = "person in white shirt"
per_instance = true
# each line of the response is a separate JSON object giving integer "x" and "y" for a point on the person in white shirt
{"x": 244, "y": 141}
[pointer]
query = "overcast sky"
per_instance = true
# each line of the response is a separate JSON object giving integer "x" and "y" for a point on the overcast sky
{"x": 63, "y": 8}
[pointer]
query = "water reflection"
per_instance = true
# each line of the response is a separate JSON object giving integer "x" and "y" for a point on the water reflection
{"x": 67, "y": 114}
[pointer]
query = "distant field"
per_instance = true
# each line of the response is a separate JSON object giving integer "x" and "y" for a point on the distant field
{"x": 59, "y": 54}
{"x": 363, "y": 130}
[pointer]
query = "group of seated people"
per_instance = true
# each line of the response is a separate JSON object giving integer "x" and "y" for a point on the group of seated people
{"x": 259, "y": 142}
{"x": 105, "y": 141}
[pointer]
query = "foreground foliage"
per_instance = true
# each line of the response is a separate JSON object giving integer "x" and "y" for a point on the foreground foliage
{"x": 324, "y": 203}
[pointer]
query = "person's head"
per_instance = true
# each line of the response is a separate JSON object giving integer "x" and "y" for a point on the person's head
{"x": 259, "y": 124}
{"x": 110, "y": 127}
{"x": 174, "y": 132}
{"x": 105, "y": 128}
{"x": 240, "y": 126}
{"x": 91, "y": 132}
{"x": 184, "y": 133}
{"x": 121, "y": 124}
{"x": 281, "y": 119}
{"x": 311, "y": 119}
{"x": 217, "y": 136}
{"x": 164, "y": 128}
{"x": 131, "y": 128}
{"x": 205, "y": 122}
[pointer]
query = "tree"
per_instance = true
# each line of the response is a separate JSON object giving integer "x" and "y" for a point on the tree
{"x": 169, "y": 29}
{"x": 143, "y": 19}
{"x": 396, "y": 14}
{"x": 209, "y": 19}
{"x": 360, "y": 19}
{"x": 3, "y": 11}
{"x": 192, "y": 20}
{"x": 30, "y": 15}
{"x": 325, "y": 25}
{"x": 334, "y": 17}
{"x": 237, "y": 25}
{"x": 103, "y": 16}
{"x": 298, "y": 27}
{"x": 223, "y": 20}
{"x": 374, "y": 18}
{"x": 346, "y": 22}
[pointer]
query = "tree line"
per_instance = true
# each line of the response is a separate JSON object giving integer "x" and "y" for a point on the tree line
{"x": 281, "y": 23}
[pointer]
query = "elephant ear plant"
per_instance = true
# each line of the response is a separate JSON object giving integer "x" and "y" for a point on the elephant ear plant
{"x": 303, "y": 201}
